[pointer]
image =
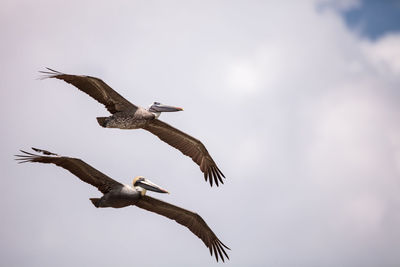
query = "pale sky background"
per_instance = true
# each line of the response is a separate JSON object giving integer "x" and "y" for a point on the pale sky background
{"x": 298, "y": 102}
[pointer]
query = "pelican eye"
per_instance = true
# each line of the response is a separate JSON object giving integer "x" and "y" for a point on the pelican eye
{"x": 139, "y": 180}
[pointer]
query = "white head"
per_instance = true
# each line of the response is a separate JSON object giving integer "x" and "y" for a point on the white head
{"x": 142, "y": 184}
{"x": 156, "y": 108}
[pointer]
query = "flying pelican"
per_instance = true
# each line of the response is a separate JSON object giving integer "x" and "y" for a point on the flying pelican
{"x": 117, "y": 195}
{"x": 126, "y": 115}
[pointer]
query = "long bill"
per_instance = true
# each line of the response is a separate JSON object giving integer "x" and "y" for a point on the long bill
{"x": 148, "y": 185}
{"x": 165, "y": 108}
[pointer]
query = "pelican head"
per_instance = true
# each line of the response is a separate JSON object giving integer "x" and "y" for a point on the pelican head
{"x": 156, "y": 108}
{"x": 142, "y": 184}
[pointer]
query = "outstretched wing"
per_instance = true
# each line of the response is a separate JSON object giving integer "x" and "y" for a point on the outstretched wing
{"x": 96, "y": 88}
{"x": 189, "y": 219}
{"x": 189, "y": 146}
{"x": 78, "y": 167}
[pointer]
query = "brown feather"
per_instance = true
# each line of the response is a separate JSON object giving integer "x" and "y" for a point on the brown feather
{"x": 96, "y": 88}
{"x": 115, "y": 103}
{"x": 191, "y": 220}
{"x": 189, "y": 146}
{"x": 104, "y": 183}
{"x": 78, "y": 167}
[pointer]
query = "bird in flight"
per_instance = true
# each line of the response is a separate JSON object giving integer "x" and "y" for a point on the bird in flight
{"x": 126, "y": 115}
{"x": 117, "y": 195}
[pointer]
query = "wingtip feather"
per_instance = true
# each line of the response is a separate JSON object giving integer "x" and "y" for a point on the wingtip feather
{"x": 48, "y": 73}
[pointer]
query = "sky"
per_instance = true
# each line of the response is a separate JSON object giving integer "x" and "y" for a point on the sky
{"x": 298, "y": 105}
{"x": 374, "y": 19}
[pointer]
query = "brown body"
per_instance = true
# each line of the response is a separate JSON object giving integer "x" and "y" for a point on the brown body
{"x": 126, "y": 115}
{"x": 118, "y": 195}
{"x": 127, "y": 120}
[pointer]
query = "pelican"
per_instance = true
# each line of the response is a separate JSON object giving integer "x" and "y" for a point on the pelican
{"x": 126, "y": 115}
{"x": 117, "y": 195}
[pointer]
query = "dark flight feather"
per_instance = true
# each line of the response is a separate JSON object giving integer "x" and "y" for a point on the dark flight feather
{"x": 191, "y": 220}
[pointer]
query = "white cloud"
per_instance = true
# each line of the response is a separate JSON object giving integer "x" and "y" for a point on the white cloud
{"x": 394, "y": 141}
{"x": 364, "y": 214}
{"x": 242, "y": 77}
{"x": 282, "y": 94}
{"x": 340, "y": 4}
{"x": 384, "y": 54}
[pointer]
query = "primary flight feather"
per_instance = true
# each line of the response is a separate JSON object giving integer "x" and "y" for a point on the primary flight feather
{"x": 126, "y": 115}
{"x": 117, "y": 195}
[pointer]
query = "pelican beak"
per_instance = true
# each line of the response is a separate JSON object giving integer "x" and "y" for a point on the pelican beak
{"x": 148, "y": 185}
{"x": 165, "y": 108}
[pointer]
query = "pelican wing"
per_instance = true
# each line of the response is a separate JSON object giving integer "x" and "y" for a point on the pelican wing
{"x": 96, "y": 88}
{"x": 191, "y": 220}
{"x": 189, "y": 146}
{"x": 78, "y": 167}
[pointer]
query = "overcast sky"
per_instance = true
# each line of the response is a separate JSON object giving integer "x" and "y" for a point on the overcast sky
{"x": 299, "y": 109}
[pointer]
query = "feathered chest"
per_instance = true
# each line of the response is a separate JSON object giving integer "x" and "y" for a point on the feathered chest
{"x": 128, "y": 120}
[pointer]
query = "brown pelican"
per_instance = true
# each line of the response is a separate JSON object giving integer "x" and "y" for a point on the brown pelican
{"x": 126, "y": 115}
{"x": 117, "y": 195}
